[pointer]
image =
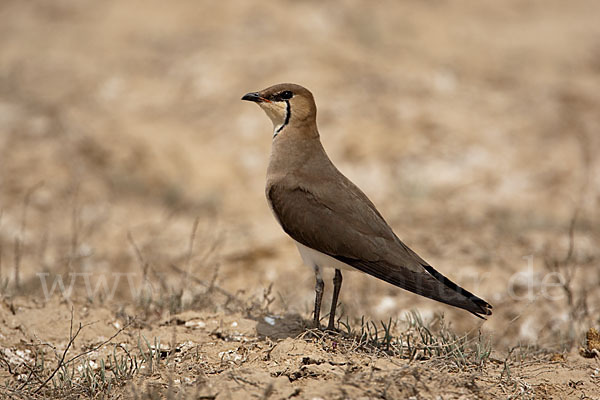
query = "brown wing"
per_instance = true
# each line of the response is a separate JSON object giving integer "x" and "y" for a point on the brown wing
{"x": 348, "y": 227}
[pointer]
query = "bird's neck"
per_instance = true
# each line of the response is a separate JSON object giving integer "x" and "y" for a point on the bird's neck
{"x": 292, "y": 149}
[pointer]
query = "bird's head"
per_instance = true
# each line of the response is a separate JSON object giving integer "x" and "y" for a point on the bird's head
{"x": 286, "y": 104}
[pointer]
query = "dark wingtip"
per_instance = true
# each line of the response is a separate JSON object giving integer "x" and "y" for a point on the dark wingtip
{"x": 485, "y": 308}
{"x": 481, "y": 308}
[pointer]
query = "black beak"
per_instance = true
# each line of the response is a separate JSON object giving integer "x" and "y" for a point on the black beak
{"x": 253, "y": 96}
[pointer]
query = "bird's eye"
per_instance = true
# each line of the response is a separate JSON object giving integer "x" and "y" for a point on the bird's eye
{"x": 285, "y": 95}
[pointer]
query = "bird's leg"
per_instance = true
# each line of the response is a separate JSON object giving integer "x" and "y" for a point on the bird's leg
{"x": 319, "y": 285}
{"x": 337, "y": 285}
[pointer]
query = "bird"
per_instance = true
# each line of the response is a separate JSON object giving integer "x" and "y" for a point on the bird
{"x": 332, "y": 222}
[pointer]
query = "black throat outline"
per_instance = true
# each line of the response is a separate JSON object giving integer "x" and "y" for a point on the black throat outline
{"x": 288, "y": 114}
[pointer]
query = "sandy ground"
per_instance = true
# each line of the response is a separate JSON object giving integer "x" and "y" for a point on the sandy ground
{"x": 131, "y": 193}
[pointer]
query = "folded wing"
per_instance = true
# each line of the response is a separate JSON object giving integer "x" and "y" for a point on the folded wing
{"x": 336, "y": 218}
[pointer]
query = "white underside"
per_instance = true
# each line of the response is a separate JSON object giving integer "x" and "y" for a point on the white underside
{"x": 316, "y": 259}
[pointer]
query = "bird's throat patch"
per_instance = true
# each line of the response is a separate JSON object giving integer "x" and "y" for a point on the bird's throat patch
{"x": 288, "y": 114}
{"x": 279, "y": 112}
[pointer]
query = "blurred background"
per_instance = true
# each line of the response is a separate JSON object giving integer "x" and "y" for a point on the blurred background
{"x": 473, "y": 126}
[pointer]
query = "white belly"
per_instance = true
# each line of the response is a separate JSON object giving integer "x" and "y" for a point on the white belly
{"x": 314, "y": 258}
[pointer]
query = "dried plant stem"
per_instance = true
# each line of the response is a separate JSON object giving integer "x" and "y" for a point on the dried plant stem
{"x": 138, "y": 254}
{"x": 17, "y": 254}
{"x": 72, "y": 337}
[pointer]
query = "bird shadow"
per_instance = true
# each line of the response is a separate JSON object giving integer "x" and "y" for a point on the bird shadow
{"x": 276, "y": 327}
